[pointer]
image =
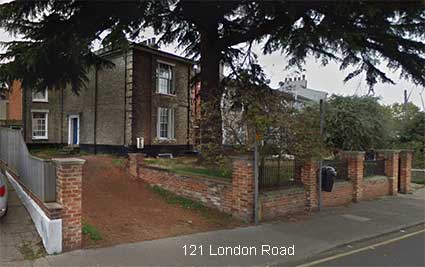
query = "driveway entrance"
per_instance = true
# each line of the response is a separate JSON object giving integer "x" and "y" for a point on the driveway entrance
{"x": 19, "y": 239}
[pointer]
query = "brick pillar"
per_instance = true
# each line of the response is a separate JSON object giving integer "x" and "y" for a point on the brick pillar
{"x": 134, "y": 162}
{"x": 243, "y": 188}
{"x": 69, "y": 174}
{"x": 308, "y": 174}
{"x": 405, "y": 170}
{"x": 355, "y": 165}
{"x": 391, "y": 158}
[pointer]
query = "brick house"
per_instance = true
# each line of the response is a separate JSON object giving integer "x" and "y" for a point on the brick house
{"x": 11, "y": 105}
{"x": 144, "y": 99}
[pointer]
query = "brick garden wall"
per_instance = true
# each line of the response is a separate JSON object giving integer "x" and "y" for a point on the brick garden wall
{"x": 69, "y": 175}
{"x": 280, "y": 202}
{"x": 237, "y": 197}
{"x": 376, "y": 186}
{"x": 342, "y": 194}
{"x": 212, "y": 193}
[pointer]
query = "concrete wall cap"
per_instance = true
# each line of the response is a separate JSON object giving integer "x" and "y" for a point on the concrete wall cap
{"x": 354, "y": 152}
{"x": 75, "y": 161}
{"x": 135, "y": 154}
{"x": 242, "y": 157}
{"x": 388, "y": 151}
{"x": 53, "y": 206}
{"x": 406, "y": 151}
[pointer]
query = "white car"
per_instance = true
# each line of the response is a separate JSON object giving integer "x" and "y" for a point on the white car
{"x": 3, "y": 195}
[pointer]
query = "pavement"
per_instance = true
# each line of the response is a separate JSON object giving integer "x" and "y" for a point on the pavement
{"x": 310, "y": 236}
{"x": 19, "y": 240}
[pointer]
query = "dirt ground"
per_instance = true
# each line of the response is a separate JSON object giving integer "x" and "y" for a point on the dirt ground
{"x": 124, "y": 209}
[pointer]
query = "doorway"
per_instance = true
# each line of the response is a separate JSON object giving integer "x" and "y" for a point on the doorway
{"x": 74, "y": 130}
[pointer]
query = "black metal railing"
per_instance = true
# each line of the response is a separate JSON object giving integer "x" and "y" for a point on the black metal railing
{"x": 275, "y": 173}
{"x": 340, "y": 166}
{"x": 373, "y": 168}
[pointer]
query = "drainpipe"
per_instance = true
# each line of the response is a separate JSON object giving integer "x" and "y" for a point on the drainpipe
{"x": 188, "y": 107}
{"x": 62, "y": 122}
{"x": 95, "y": 110}
{"x": 125, "y": 97}
{"x": 24, "y": 112}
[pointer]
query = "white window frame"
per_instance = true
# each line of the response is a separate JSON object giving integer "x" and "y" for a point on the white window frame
{"x": 46, "y": 136}
{"x": 45, "y": 99}
{"x": 170, "y": 124}
{"x": 172, "y": 88}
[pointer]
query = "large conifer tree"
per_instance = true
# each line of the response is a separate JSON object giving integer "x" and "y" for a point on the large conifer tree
{"x": 57, "y": 37}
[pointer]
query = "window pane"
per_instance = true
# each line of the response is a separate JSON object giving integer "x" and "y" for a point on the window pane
{"x": 164, "y": 79}
{"x": 39, "y": 124}
{"x": 41, "y": 95}
{"x": 163, "y": 123}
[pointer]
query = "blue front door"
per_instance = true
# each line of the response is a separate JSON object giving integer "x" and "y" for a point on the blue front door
{"x": 74, "y": 131}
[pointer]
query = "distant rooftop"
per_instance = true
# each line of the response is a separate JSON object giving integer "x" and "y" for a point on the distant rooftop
{"x": 297, "y": 86}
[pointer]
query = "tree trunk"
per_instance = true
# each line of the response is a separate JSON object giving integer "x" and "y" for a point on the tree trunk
{"x": 211, "y": 91}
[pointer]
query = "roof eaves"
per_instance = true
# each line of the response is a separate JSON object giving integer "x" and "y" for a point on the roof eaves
{"x": 161, "y": 53}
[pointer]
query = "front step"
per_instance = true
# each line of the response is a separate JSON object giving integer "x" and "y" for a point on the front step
{"x": 70, "y": 150}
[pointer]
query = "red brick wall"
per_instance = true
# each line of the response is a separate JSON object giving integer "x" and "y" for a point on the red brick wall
{"x": 280, "y": 202}
{"x": 391, "y": 158}
{"x": 69, "y": 173}
{"x": 355, "y": 161}
{"x": 405, "y": 170}
{"x": 243, "y": 189}
{"x": 308, "y": 176}
{"x": 15, "y": 102}
{"x": 377, "y": 186}
{"x": 237, "y": 197}
{"x": 342, "y": 194}
{"x": 212, "y": 193}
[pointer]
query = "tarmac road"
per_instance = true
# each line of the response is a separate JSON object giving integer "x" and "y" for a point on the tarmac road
{"x": 407, "y": 250}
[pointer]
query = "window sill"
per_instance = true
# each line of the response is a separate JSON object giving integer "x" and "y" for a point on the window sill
{"x": 166, "y": 139}
{"x": 40, "y": 101}
{"x": 164, "y": 94}
{"x": 39, "y": 138}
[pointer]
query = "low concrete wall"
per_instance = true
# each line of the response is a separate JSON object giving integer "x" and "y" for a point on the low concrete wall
{"x": 49, "y": 230}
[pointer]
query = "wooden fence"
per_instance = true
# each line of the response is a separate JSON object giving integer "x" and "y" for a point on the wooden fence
{"x": 38, "y": 175}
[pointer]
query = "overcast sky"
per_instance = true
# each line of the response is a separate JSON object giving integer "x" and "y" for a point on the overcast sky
{"x": 328, "y": 78}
